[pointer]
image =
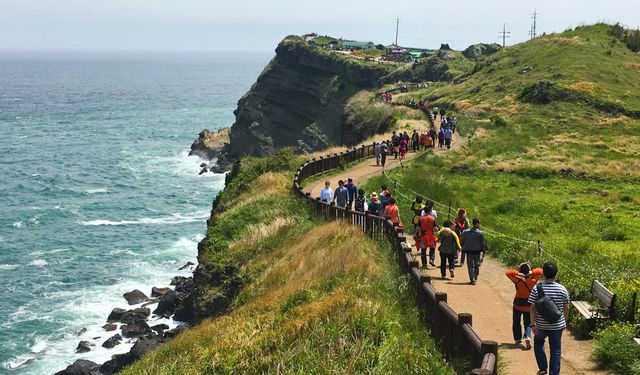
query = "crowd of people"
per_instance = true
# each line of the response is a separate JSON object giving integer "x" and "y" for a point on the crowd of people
{"x": 460, "y": 240}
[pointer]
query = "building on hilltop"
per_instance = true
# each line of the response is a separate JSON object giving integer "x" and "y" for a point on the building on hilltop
{"x": 353, "y": 45}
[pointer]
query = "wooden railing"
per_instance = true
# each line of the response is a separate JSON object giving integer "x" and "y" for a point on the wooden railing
{"x": 453, "y": 331}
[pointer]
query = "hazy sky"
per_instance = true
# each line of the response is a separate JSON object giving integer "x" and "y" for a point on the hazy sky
{"x": 260, "y": 24}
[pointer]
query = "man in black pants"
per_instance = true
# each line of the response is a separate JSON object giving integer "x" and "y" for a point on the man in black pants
{"x": 474, "y": 246}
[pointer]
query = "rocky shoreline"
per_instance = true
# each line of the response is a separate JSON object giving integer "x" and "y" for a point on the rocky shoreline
{"x": 212, "y": 146}
{"x": 134, "y": 324}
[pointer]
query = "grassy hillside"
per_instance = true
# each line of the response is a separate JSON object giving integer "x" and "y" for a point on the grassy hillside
{"x": 317, "y": 298}
{"x": 552, "y": 154}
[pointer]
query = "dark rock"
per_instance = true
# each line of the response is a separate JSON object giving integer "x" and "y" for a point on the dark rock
{"x": 174, "y": 332}
{"x": 96, "y": 338}
{"x": 187, "y": 265}
{"x": 116, "y": 314}
{"x": 135, "y": 297}
{"x": 112, "y": 341}
{"x": 476, "y": 90}
{"x": 462, "y": 169}
{"x": 157, "y": 292}
{"x": 178, "y": 280}
{"x": 81, "y": 332}
{"x": 135, "y": 329}
{"x": 203, "y": 165}
{"x": 445, "y": 47}
{"x": 81, "y": 367}
{"x": 203, "y": 171}
{"x": 167, "y": 304}
{"x": 152, "y": 301}
{"x": 130, "y": 316}
{"x": 84, "y": 346}
{"x": 158, "y": 328}
{"x": 481, "y": 49}
{"x": 119, "y": 361}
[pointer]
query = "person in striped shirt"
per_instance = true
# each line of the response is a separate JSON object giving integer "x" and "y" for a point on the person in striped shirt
{"x": 543, "y": 328}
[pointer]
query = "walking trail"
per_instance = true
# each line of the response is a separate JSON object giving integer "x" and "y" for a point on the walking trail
{"x": 489, "y": 301}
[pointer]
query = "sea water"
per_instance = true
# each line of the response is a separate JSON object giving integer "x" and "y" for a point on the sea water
{"x": 97, "y": 193}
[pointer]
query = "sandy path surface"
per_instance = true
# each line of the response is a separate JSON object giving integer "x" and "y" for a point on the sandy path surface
{"x": 490, "y": 300}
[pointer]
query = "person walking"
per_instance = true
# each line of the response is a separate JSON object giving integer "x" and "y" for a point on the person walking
{"x": 433, "y": 135}
{"x": 524, "y": 279}
{"x": 395, "y": 142}
{"x": 374, "y": 204}
{"x": 475, "y": 246}
{"x": 447, "y": 137}
{"x": 353, "y": 189}
{"x": 326, "y": 194}
{"x": 461, "y": 223}
{"x": 360, "y": 201}
{"x": 404, "y": 144}
{"x": 384, "y": 151}
{"x": 441, "y": 138}
{"x": 417, "y": 207}
{"x": 415, "y": 141}
{"x": 548, "y": 323}
{"x": 377, "y": 152}
{"x": 392, "y": 211}
{"x": 449, "y": 242}
{"x": 425, "y": 239}
{"x": 341, "y": 195}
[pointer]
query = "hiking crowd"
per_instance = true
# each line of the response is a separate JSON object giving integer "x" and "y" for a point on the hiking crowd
{"x": 540, "y": 308}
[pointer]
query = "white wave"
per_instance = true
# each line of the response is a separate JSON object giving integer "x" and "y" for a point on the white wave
{"x": 39, "y": 346}
{"x": 35, "y": 220}
{"x": 169, "y": 220}
{"x": 18, "y": 225}
{"x": 97, "y": 191}
{"x": 39, "y": 263}
{"x": 7, "y": 267}
{"x": 18, "y": 362}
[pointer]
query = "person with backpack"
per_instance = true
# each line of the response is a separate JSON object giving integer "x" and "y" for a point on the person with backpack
{"x": 374, "y": 204}
{"x": 461, "y": 223}
{"x": 392, "y": 211}
{"x": 341, "y": 195}
{"x": 415, "y": 141}
{"x": 447, "y": 137}
{"x": 353, "y": 189}
{"x": 424, "y": 235}
{"x": 384, "y": 151}
{"x": 442, "y": 113}
{"x": 433, "y": 135}
{"x": 441, "y": 138}
{"x": 404, "y": 146}
{"x": 395, "y": 143}
{"x": 475, "y": 246}
{"x": 449, "y": 242}
{"x": 524, "y": 279}
{"x": 549, "y": 313}
{"x": 377, "y": 152}
{"x": 360, "y": 201}
{"x": 417, "y": 207}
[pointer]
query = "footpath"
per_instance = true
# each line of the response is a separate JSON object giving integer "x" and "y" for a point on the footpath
{"x": 489, "y": 301}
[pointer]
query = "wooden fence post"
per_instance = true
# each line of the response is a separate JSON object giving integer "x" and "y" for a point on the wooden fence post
{"x": 438, "y": 316}
{"x": 462, "y": 349}
{"x": 487, "y": 347}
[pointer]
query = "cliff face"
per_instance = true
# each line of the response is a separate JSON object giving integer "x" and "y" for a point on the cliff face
{"x": 298, "y": 100}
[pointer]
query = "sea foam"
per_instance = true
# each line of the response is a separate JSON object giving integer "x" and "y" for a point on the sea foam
{"x": 168, "y": 220}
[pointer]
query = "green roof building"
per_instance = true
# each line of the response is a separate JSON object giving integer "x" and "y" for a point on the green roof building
{"x": 352, "y": 44}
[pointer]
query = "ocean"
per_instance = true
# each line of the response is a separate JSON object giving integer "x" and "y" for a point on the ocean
{"x": 97, "y": 194}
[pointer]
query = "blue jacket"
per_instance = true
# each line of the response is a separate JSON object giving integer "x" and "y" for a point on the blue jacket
{"x": 353, "y": 189}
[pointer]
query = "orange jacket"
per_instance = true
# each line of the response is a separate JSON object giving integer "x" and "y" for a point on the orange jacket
{"x": 523, "y": 287}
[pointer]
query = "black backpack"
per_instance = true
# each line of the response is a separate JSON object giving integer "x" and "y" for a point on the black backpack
{"x": 546, "y": 307}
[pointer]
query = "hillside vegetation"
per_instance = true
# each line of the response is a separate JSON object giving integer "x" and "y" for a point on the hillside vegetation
{"x": 316, "y": 298}
{"x": 552, "y": 154}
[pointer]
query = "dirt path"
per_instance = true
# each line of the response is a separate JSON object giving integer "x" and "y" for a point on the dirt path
{"x": 490, "y": 300}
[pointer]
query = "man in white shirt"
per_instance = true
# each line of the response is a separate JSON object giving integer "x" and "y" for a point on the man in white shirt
{"x": 326, "y": 194}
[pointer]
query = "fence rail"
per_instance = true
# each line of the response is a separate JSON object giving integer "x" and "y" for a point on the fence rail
{"x": 453, "y": 331}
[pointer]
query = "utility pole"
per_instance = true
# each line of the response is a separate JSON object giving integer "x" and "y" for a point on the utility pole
{"x": 535, "y": 21}
{"x": 397, "y": 28}
{"x": 504, "y": 34}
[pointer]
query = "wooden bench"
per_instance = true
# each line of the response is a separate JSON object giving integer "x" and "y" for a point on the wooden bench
{"x": 606, "y": 299}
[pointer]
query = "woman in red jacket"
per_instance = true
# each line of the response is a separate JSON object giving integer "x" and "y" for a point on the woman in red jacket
{"x": 524, "y": 280}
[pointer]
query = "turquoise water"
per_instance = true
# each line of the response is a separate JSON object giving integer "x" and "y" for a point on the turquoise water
{"x": 98, "y": 195}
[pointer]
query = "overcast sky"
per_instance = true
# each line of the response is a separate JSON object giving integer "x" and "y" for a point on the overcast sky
{"x": 260, "y": 24}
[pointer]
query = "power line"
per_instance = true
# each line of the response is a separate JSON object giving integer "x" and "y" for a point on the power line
{"x": 504, "y": 34}
{"x": 535, "y": 22}
{"x": 397, "y": 29}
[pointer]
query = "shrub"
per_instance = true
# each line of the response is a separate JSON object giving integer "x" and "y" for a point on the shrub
{"x": 543, "y": 92}
{"x": 616, "y": 349}
{"x": 498, "y": 121}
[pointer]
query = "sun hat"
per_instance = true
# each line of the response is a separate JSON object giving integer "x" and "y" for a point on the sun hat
{"x": 374, "y": 195}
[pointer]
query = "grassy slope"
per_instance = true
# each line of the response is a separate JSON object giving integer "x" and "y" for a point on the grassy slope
{"x": 512, "y": 178}
{"x": 318, "y": 298}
